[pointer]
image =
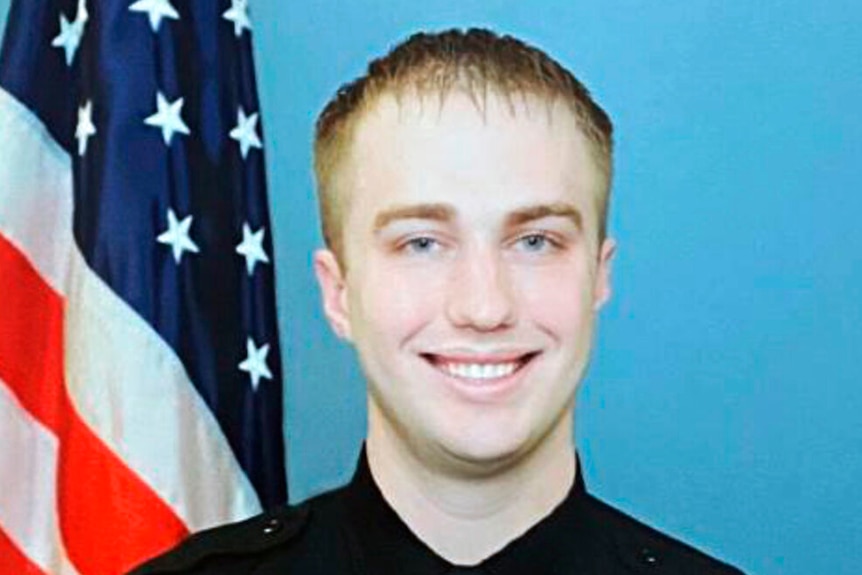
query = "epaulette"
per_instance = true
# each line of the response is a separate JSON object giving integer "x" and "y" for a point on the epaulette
{"x": 254, "y": 535}
{"x": 642, "y": 549}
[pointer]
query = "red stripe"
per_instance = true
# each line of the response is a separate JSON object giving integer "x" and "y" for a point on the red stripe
{"x": 110, "y": 519}
{"x": 31, "y": 337}
{"x": 12, "y": 560}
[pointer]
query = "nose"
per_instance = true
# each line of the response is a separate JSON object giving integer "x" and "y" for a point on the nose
{"x": 480, "y": 292}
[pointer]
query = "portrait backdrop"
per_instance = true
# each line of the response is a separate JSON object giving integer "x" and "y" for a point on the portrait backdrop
{"x": 724, "y": 400}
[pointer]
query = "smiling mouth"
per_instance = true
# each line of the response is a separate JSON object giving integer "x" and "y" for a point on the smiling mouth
{"x": 478, "y": 371}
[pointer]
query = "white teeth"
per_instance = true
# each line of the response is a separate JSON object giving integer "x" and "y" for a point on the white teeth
{"x": 480, "y": 370}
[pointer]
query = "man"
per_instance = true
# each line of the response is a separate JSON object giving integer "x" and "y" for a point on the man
{"x": 463, "y": 185}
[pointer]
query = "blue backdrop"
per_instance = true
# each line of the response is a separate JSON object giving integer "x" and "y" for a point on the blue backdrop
{"x": 724, "y": 403}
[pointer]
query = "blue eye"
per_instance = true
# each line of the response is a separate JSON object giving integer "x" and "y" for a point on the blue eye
{"x": 534, "y": 242}
{"x": 421, "y": 245}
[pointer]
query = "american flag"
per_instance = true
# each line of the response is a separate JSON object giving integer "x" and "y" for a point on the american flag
{"x": 140, "y": 374}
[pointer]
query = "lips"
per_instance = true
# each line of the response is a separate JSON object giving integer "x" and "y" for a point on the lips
{"x": 479, "y": 370}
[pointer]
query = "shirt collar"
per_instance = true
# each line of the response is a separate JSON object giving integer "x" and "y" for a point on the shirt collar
{"x": 383, "y": 544}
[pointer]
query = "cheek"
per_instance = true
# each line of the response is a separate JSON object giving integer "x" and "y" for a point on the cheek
{"x": 396, "y": 303}
{"x": 558, "y": 299}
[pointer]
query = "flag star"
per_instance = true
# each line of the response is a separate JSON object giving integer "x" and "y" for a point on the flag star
{"x": 167, "y": 117}
{"x": 255, "y": 362}
{"x": 156, "y": 10}
{"x": 245, "y": 133}
{"x": 177, "y": 236}
{"x": 85, "y": 127}
{"x": 83, "y": 15}
{"x": 251, "y": 248}
{"x": 69, "y": 38}
{"x": 238, "y": 14}
{"x": 70, "y": 34}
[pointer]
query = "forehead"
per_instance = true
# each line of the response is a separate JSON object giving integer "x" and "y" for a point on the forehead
{"x": 500, "y": 152}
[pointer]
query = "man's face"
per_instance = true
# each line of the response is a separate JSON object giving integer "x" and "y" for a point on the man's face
{"x": 473, "y": 273}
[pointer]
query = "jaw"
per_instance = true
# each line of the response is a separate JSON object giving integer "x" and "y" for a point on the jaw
{"x": 469, "y": 427}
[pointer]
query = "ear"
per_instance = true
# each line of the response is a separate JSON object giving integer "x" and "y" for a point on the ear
{"x": 602, "y": 292}
{"x": 333, "y": 291}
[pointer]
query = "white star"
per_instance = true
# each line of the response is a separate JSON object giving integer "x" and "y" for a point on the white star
{"x": 177, "y": 236}
{"x": 238, "y": 14}
{"x": 168, "y": 118}
{"x": 70, "y": 34}
{"x": 251, "y": 248}
{"x": 85, "y": 127}
{"x": 83, "y": 14}
{"x": 156, "y": 10}
{"x": 69, "y": 38}
{"x": 245, "y": 133}
{"x": 255, "y": 362}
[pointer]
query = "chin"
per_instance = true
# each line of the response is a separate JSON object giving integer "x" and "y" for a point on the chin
{"x": 484, "y": 453}
{"x": 486, "y": 443}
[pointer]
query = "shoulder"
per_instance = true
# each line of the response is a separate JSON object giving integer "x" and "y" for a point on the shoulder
{"x": 643, "y": 549}
{"x": 233, "y": 546}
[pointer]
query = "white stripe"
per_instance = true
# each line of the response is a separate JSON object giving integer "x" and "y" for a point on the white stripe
{"x": 132, "y": 389}
{"x": 124, "y": 380}
{"x": 28, "y": 460}
{"x": 35, "y": 191}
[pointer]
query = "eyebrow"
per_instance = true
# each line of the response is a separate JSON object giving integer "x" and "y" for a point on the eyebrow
{"x": 556, "y": 210}
{"x": 446, "y": 213}
{"x": 435, "y": 212}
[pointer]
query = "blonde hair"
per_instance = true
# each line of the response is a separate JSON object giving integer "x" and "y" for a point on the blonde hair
{"x": 476, "y": 61}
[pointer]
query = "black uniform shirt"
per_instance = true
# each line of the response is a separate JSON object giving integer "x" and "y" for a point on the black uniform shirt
{"x": 354, "y": 531}
{"x": 383, "y": 545}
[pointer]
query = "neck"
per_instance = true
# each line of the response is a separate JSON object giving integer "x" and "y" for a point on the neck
{"x": 467, "y": 518}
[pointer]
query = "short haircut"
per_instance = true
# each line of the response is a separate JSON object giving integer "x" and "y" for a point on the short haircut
{"x": 474, "y": 61}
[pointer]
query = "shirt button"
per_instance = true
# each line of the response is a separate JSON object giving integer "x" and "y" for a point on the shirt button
{"x": 649, "y": 557}
{"x": 272, "y": 525}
